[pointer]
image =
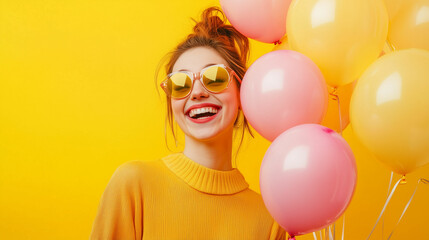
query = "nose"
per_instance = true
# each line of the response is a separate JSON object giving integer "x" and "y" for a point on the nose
{"x": 198, "y": 91}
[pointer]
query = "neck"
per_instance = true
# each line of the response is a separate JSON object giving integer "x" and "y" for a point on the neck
{"x": 213, "y": 153}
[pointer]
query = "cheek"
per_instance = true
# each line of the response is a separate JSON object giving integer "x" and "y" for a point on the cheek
{"x": 233, "y": 102}
{"x": 235, "y": 96}
{"x": 177, "y": 107}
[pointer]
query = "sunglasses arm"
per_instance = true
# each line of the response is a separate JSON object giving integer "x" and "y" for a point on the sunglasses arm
{"x": 236, "y": 76}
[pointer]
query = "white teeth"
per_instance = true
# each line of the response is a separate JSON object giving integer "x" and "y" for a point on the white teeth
{"x": 196, "y": 111}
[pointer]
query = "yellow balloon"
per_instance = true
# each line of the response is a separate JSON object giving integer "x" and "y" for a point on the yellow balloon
{"x": 342, "y": 37}
{"x": 409, "y": 28}
{"x": 389, "y": 109}
{"x": 394, "y": 6}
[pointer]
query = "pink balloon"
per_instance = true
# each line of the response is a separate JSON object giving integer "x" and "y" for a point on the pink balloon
{"x": 307, "y": 178}
{"x": 283, "y": 89}
{"x": 262, "y": 20}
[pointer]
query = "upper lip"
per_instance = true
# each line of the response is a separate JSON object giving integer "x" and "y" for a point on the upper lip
{"x": 201, "y": 105}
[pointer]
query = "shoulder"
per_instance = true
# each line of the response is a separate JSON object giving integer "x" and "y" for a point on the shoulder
{"x": 133, "y": 173}
{"x": 253, "y": 196}
{"x": 255, "y": 200}
{"x": 135, "y": 169}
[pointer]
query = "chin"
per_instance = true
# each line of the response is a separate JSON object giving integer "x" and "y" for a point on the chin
{"x": 204, "y": 135}
{"x": 207, "y": 134}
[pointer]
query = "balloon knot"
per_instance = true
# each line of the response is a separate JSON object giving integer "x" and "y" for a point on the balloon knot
{"x": 327, "y": 130}
{"x": 277, "y": 42}
{"x": 403, "y": 180}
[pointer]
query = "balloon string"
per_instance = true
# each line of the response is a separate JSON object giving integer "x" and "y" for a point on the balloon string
{"x": 339, "y": 114}
{"x": 314, "y": 235}
{"x": 424, "y": 181}
{"x": 320, "y": 234}
{"x": 337, "y": 98}
{"x": 333, "y": 230}
{"x": 326, "y": 234}
{"x": 390, "y": 45}
{"x": 384, "y": 208}
{"x": 344, "y": 223}
{"x": 387, "y": 195}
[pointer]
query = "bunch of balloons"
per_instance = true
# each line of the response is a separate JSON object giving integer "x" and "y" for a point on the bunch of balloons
{"x": 327, "y": 50}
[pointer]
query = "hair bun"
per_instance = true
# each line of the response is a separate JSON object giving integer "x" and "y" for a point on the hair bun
{"x": 213, "y": 25}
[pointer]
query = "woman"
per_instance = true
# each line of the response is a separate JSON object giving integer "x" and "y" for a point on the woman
{"x": 195, "y": 194}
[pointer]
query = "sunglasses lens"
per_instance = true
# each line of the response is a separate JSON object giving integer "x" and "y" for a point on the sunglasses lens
{"x": 179, "y": 85}
{"x": 215, "y": 78}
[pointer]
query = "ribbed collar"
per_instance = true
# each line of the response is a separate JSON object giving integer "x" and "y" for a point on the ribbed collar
{"x": 205, "y": 179}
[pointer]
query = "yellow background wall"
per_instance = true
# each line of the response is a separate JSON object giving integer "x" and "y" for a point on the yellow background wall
{"x": 77, "y": 99}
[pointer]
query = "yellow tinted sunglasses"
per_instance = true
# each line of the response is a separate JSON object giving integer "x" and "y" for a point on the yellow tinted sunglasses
{"x": 214, "y": 78}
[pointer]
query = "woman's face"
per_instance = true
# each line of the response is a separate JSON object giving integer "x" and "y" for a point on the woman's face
{"x": 223, "y": 105}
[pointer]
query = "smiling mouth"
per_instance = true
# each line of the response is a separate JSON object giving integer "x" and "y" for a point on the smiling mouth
{"x": 202, "y": 113}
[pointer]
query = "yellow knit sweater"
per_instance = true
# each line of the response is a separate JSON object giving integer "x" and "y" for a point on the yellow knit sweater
{"x": 176, "y": 198}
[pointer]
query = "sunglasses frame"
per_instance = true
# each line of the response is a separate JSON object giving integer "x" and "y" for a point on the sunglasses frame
{"x": 193, "y": 76}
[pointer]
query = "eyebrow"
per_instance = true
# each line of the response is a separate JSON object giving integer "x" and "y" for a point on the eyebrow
{"x": 210, "y": 64}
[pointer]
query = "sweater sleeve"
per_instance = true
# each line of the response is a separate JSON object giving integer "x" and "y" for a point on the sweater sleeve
{"x": 277, "y": 232}
{"x": 120, "y": 211}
